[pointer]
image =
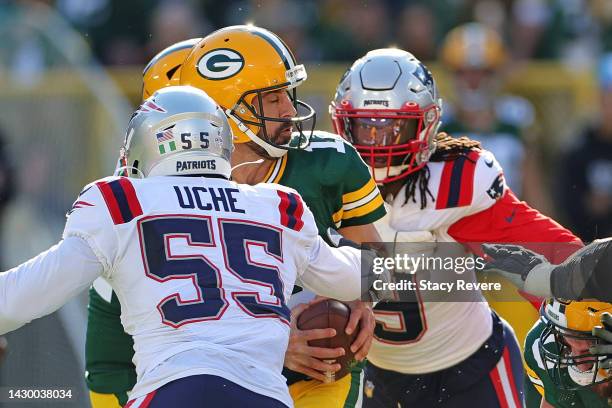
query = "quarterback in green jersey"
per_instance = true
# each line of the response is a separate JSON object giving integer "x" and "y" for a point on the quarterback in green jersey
{"x": 561, "y": 372}
{"x": 255, "y": 88}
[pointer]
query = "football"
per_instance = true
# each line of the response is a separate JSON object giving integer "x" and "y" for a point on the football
{"x": 334, "y": 314}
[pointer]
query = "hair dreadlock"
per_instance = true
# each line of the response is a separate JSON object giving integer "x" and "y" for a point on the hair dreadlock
{"x": 447, "y": 148}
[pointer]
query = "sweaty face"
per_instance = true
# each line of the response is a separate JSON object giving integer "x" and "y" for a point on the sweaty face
{"x": 276, "y": 104}
{"x": 383, "y": 132}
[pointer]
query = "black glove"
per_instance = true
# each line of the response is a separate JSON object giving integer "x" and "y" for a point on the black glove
{"x": 604, "y": 349}
{"x": 516, "y": 264}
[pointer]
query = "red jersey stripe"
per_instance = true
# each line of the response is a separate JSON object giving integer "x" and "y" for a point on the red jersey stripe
{"x": 131, "y": 196}
{"x": 111, "y": 202}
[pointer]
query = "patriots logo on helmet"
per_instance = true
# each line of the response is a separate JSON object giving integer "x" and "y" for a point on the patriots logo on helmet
{"x": 150, "y": 106}
{"x": 423, "y": 75}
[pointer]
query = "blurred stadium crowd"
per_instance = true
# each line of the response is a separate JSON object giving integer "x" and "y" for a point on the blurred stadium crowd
{"x": 124, "y": 33}
{"x": 532, "y": 81}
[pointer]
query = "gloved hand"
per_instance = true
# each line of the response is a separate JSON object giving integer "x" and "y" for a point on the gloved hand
{"x": 528, "y": 270}
{"x": 604, "y": 332}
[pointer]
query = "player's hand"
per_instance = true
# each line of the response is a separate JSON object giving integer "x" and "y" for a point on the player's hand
{"x": 302, "y": 358}
{"x": 3, "y": 347}
{"x": 604, "y": 332}
{"x": 362, "y": 315}
{"x": 528, "y": 270}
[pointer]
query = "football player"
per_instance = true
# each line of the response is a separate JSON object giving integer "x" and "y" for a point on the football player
{"x": 251, "y": 73}
{"x": 562, "y": 370}
{"x": 201, "y": 265}
{"x": 444, "y": 189}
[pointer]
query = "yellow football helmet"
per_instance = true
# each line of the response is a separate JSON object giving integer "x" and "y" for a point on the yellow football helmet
{"x": 473, "y": 46}
{"x": 237, "y": 64}
{"x": 564, "y": 343}
{"x": 163, "y": 70}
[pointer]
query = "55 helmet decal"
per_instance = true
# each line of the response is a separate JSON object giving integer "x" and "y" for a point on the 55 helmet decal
{"x": 236, "y": 66}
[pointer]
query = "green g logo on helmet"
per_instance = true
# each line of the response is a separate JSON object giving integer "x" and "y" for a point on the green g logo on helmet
{"x": 220, "y": 63}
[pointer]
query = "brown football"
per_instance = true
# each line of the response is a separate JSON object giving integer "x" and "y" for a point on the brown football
{"x": 334, "y": 314}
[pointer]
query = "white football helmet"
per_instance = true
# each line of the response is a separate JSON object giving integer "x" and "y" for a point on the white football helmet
{"x": 387, "y": 105}
{"x": 179, "y": 130}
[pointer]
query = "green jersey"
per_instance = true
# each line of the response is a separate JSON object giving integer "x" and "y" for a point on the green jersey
{"x": 336, "y": 185}
{"x": 539, "y": 384}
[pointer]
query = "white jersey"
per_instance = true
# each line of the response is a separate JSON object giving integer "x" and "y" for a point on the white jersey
{"x": 425, "y": 337}
{"x": 202, "y": 268}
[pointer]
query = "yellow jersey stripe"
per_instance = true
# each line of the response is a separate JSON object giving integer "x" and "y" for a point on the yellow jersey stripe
{"x": 337, "y": 216}
{"x": 530, "y": 372}
{"x": 359, "y": 194}
{"x": 271, "y": 172}
{"x": 364, "y": 209}
{"x": 281, "y": 170}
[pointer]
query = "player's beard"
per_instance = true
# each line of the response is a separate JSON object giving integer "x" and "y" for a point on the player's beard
{"x": 259, "y": 151}
{"x": 276, "y": 138}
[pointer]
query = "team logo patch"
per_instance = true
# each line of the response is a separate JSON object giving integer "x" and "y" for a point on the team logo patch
{"x": 150, "y": 106}
{"x": 423, "y": 74}
{"x": 497, "y": 188}
{"x": 78, "y": 204}
{"x": 220, "y": 63}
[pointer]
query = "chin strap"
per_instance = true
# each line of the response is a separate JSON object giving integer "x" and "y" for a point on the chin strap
{"x": 245, "y": 163}
{"x": 270, "y": 149}
{"x": 127, "y": 169}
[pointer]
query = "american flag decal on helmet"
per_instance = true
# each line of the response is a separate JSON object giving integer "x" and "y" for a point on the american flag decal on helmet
{"x": 165, "y": 140}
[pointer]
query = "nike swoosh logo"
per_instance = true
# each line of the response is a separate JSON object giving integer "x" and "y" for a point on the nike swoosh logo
{"x": 489, "y": 162}
{"x": 511, "y": 217}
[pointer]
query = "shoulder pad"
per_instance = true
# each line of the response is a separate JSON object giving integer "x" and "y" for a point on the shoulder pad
{"x": 120, "y": 198}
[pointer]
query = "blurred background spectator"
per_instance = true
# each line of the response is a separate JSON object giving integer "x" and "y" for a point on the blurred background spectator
{"x": 477, "y": 60}
{"x": 586, "y": 171}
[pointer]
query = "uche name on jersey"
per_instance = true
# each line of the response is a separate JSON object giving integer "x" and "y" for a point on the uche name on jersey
{"x": 459, "y": 284}
{"x": 207, "y": 198}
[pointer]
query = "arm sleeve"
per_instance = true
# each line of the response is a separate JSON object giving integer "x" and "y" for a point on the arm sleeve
{"x": 510, "y": 220}
{"x": 585, "y": 275}
{"x": 333, "y": 272}
{"x": 44, "y": 283}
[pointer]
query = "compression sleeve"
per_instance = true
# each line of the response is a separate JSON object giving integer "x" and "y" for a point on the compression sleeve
{"x": 585, "y": 275}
